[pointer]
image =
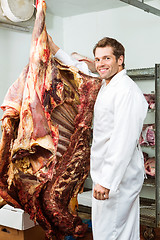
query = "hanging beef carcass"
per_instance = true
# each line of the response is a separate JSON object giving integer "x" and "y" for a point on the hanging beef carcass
{"x": 45, "y": 146}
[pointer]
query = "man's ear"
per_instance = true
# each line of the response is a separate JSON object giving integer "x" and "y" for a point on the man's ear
{"x": 120, "y": 60}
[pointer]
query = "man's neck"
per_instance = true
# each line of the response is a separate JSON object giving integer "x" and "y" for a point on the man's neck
{"x": 107, "y": 81}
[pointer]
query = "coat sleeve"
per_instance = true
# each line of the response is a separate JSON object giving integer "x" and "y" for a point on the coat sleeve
{"x": 68, "y": 60}
{"x": 130, "y": 110}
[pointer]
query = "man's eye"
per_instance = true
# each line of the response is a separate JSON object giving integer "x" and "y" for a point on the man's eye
{"x": 96, "y": 60}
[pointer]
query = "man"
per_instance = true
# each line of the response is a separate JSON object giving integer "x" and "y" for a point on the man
{"x": 117, "y": 166}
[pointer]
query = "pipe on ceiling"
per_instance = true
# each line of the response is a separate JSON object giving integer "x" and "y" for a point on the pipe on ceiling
{"x": 143, "y": 6}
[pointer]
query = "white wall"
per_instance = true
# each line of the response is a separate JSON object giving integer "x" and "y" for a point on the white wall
{"x": 137, "y": 30}
{"x": 54, "y": 26}
{"x": 15, "y": 49}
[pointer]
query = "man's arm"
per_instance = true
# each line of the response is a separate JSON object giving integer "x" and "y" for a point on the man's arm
{"x": 69, "y": 60}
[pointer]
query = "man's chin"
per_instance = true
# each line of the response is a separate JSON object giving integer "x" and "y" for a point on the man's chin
{"x": 104, "y": 76}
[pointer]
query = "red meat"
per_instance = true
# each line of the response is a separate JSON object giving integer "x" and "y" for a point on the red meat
{"x": 150, "y": 98}
{"x": 147, "y": 137}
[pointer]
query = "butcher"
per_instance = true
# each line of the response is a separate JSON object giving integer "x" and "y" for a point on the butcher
{"x": 117, "y": 164}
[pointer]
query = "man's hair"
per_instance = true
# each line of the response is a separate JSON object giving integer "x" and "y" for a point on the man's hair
{"x": 118, "y": 49}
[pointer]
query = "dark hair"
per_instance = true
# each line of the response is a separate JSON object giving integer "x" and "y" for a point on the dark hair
{"x": 118, "y": 49}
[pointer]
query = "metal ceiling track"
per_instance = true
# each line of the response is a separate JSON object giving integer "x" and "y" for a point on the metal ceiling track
{"x": 143, "y": 6}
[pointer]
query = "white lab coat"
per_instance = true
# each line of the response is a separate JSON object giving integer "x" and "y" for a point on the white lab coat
{"x": 116, "y": 158}
{"x": 68, "y": 60}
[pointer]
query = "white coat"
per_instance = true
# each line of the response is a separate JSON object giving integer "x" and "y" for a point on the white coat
{"x": 116, "y": 158}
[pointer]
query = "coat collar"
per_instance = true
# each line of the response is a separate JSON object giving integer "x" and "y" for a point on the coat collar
{"x": 115, "y": 78}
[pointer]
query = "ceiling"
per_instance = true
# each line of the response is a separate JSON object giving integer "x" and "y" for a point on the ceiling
{"x": 66, "y": 8}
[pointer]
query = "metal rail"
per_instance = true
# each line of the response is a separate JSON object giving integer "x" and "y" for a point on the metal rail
{"x": 142, "y": 73}
{"x": 143, "y": 6}
{"x": 157, "y": 121}
{"x": 150, "y": 211}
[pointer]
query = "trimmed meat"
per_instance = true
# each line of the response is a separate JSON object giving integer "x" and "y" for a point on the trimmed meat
{"x": 150, "y": 98}
{"x": 147, "y": 137}
{"x": 150, "y": 166}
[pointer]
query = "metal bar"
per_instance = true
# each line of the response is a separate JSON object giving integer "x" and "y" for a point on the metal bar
{"x": 15, "y": 27}
{"x": 157, "y": 152}
{"x": 143, "y": 6}
{"x": 142, "y": 73}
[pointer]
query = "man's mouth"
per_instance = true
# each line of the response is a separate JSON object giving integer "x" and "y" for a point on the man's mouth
{"x": 103, "y": 70}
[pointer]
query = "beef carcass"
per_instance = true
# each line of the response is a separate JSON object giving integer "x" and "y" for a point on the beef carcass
{"x": 45, "y": 147}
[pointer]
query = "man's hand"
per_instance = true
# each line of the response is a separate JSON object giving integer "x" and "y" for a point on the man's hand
{"x": 100, "y": 193}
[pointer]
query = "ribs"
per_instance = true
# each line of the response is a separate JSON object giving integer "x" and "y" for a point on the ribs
{"x": 45, "y": 146}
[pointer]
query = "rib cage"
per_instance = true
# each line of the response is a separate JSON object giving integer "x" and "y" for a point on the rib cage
{"x": 64, "y": 116}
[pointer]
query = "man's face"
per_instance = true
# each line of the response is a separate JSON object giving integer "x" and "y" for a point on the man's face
{"x": 106, "y": 64}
